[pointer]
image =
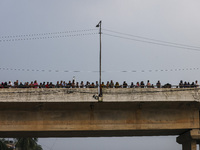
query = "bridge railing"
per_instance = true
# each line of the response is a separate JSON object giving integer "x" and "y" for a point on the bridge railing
{"x": 103, "y": 86}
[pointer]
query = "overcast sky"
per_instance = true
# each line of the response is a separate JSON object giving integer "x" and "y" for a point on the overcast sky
{"x": 39, "y": 54}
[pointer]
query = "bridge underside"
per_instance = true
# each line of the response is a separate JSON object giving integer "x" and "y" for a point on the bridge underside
{"x": 97, "y": 119}
{"x": 105, "y": 133}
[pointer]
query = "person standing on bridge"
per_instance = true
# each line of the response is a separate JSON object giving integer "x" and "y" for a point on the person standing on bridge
{"x": 132, "y": 85}
{"x": 82, "y": 84}
{"x": 16, "y": 83}
{"x": 107, "y": 84}
{"x": 35, "y": 84}
{"x": 158, "y": 84}
{"x": 142, "y": 84}
{"x": 97, "y": 84}
{"x": 117, "y": 85}
{"x": 111, "y": 84}
{"x": 137, "y": 85}
{"x": 77, "y": 85}
{"x": 10, "y": 84}
{"x": 148, "y": 84}
{"x": 196, "y": 84}
{"x": 47, "y": 85}
{"x": 125, "y": 85}
{"x": 181, "y": 84}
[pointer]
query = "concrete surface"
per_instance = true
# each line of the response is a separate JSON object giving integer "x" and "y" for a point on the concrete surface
{"x": 123, "y": 112}
{"x": 109, "y": 95}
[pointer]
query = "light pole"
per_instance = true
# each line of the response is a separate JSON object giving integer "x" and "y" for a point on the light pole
{"x": 100, "y": 88}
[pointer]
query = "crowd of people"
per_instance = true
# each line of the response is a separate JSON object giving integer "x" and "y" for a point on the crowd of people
{"x": 109, "y": 84}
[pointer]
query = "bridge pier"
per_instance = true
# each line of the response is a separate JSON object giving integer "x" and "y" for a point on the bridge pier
{"x": 189, "y": 140}
{"x": 190, "y": 145}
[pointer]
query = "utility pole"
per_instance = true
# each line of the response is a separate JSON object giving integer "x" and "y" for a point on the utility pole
{"x": 100, "y": 87}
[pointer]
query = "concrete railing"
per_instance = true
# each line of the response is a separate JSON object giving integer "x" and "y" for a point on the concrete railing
{"x": 109, "y": 94}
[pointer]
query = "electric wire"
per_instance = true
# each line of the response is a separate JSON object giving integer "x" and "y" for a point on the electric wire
{"x": 53, "y": 35}
{"x": 152, "y": 42}
{"x": 151, "y": 39}
{"x": 89, "y": 71}
{"x": 54, "y": 144}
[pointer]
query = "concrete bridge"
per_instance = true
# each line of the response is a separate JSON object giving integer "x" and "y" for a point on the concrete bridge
{"x": 63, "y": 112}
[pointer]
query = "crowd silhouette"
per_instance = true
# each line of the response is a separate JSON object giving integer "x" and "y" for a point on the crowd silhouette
{"x": 109, "y": 84}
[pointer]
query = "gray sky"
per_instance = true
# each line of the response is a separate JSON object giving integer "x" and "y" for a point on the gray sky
{"x": 113, "y": 143}
{"x": 174, "y": 21}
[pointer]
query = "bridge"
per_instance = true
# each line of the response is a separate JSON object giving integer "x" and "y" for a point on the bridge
{"x": 74, "y": 112}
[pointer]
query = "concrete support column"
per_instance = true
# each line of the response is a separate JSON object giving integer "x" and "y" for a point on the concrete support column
{"x": 189, "y": 140}
{"x": 190, "y": 145}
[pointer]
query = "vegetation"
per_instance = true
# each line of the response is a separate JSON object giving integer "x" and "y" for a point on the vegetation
{"x": 28, "y": 144}
{"x": 38, "y": 147}
{"x": 3, "y": 145}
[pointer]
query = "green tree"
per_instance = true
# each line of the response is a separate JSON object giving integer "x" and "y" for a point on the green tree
{"x": 3, "y": 145}
{"x": 28, "y": 144}
{"x": 38, "y": 147}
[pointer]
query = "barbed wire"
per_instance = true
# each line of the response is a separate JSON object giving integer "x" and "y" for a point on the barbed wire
{"x": 44, "y": 34}
{"x": 82, "y": 71}
{"x": 45, "y": 37}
